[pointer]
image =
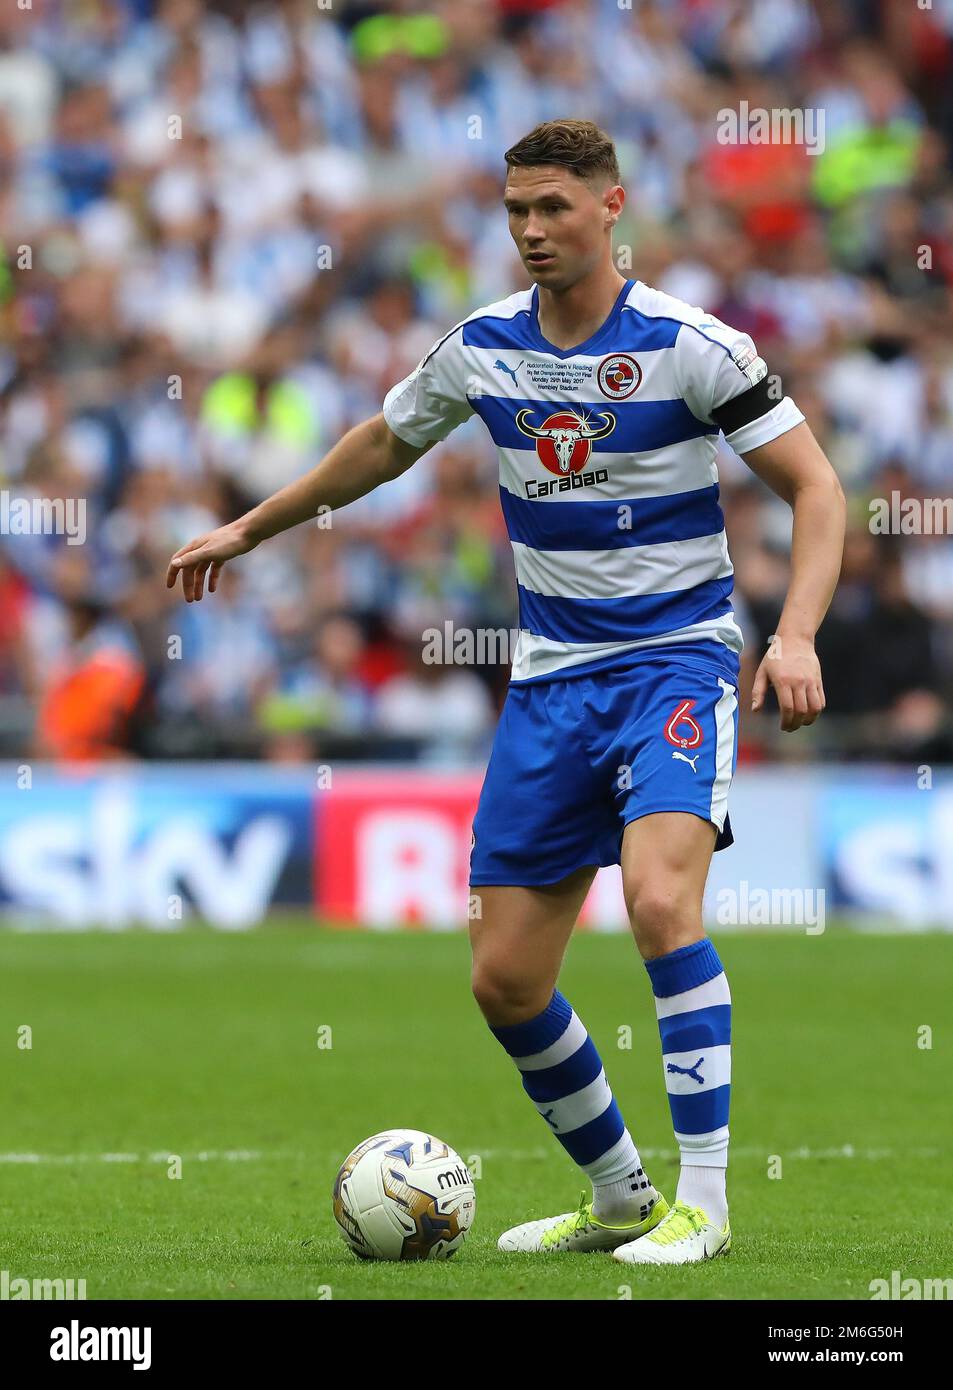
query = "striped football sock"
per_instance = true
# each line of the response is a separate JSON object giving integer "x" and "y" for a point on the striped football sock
{"x": 693, "y": 1006}
{"x": 564, "y": 1078}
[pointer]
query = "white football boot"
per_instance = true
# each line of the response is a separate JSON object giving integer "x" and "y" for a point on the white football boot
{"x": 684, "y": 1236}
{"x": 580, "y": 1230}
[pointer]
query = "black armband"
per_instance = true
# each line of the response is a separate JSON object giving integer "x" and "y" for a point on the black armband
{"x": 750, "y": 405}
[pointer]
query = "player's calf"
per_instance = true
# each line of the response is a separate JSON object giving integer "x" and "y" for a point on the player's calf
{"x": 563, "y": 1076}
{"x": 665, "y": 864}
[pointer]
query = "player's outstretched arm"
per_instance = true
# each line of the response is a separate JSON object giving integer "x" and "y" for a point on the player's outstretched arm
{"x": 796, "y": 468}
{"x": 368, "y": 455}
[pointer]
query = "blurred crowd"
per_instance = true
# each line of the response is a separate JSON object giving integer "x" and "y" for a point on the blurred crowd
{"x": 226, "y": 229}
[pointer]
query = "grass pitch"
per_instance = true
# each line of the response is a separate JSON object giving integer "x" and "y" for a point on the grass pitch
{"x": 203, "y": 1046}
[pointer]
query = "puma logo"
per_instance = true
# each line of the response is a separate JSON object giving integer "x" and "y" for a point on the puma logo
{"x": 691, "y": 761}
{"x": 691, "y": 1071}
{"x": 500, "y": 366}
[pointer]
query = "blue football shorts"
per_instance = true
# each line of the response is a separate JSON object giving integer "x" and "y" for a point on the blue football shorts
{"x": 576, "y": 757}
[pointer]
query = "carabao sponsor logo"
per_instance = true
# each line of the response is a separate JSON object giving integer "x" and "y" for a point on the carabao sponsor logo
{"x": 564, "y": 438}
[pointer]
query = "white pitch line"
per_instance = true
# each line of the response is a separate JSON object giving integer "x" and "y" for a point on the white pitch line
{"x": 849, "y": 1151}
{"x": 843, "y": 1151}
{"x": 206, "y": 1156}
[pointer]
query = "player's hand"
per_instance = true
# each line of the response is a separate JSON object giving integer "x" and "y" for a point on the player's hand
{"x": 207, "y": 553}
{"x": 792, "y": 668}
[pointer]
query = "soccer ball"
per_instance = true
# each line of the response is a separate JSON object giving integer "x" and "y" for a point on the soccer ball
{"x": 404, "y": 1195}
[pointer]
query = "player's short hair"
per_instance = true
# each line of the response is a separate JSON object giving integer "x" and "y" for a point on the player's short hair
{"x": 577, "y": 145}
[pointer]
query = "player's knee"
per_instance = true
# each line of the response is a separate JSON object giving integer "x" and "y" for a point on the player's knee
{"x": 660, "y": 914}
{"x": 504, "y": 997}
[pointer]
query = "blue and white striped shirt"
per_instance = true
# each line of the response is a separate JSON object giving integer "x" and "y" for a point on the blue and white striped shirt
{"x": 608, "y": 479}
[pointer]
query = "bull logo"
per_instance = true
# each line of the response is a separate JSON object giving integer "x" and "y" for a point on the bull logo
{"x": 564, "y": 439}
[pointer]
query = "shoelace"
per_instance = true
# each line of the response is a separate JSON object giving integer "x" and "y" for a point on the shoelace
{"x": 680, "y": 1221}
{"x": 569, "y": 1224}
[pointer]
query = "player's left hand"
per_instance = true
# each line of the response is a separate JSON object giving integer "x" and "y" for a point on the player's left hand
{"x": 792, "y": 668}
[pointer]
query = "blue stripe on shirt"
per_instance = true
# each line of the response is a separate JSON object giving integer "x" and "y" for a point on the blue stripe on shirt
{"x": 634, "y": 332}
{"x": 640, "y": 426}
{"x": 501, "y": 334}
{"x": 621, "y": 619}
{"x": 595, "y": 525}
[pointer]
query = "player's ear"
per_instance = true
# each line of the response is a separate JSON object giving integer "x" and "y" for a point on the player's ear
{"x": 614, "y": 203}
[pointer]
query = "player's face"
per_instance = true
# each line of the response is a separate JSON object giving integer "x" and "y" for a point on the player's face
{"x": 558, "y": 222}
